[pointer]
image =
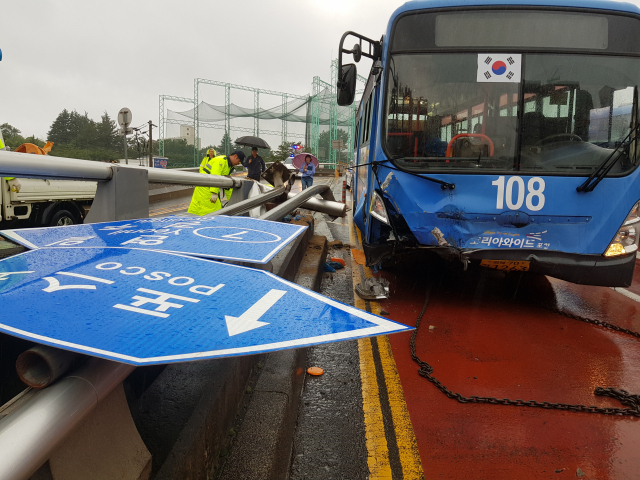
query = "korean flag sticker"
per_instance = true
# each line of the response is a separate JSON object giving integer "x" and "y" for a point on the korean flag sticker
{"x": 501, "y": 68}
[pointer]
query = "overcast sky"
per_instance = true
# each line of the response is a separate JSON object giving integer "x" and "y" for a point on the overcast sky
{"x": 98, "y": 56}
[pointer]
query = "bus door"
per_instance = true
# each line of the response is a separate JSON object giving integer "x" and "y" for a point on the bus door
{"x": 366, "y": 152}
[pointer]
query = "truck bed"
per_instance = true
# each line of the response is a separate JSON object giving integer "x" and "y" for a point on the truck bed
{"x": 38, "y": 190}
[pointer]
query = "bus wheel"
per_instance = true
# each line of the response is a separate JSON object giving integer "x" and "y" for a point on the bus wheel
{"x": 62, "y": 218}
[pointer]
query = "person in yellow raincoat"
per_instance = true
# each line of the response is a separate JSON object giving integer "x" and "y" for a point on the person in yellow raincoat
{"x": 206, "y": 200}
{"x": 211, "y": 154}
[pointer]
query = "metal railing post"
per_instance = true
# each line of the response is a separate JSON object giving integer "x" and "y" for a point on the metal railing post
{"x": 30, "y": 435}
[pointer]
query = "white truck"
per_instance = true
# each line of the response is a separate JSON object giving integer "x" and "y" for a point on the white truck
{"x": 41, "y": 203}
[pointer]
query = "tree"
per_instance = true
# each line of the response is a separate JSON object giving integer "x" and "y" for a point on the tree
{"x": 107, "y": 133}
{"x": 9, "y": 130}
{"x": 78, "y": 136}
{"x": 12, "y": 137}
{"x": 324, "y": 143}
{"x": 282, "y": 153}
{"x": 179, "y": 153}
{"x": 82, "y": 130}
{"x": 60, "y": 130}
{"x": 226, "y": 145}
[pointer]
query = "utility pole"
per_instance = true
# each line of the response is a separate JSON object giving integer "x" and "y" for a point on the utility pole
{"x": 151, "y": 143}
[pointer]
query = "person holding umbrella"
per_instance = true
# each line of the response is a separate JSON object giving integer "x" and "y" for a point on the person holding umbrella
{"x": 307, "y": 171}
{"x": 254, "y": 164}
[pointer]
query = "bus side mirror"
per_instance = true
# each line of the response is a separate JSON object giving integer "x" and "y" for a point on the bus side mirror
{"x": 347, "y": 84}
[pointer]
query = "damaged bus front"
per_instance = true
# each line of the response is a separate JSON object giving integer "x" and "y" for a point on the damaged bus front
{"x": 504, "y": 135}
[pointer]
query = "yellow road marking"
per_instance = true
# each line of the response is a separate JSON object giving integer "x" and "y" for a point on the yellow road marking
{"x": 378, "y": 451}
{"x": 376, "y": 440}
{"x": 405, "y": 437}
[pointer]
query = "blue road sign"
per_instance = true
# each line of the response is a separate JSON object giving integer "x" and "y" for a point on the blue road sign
{"x": 144, "y": 307}
{"x": 242, "y": 239}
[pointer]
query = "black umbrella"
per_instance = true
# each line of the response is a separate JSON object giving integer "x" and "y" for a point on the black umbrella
{"x": 252, "y": 142}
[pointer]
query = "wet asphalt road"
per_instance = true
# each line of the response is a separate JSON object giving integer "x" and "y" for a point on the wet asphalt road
{"x": 329, "y": 441}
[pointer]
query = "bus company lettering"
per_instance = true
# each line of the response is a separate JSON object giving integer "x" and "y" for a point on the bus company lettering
{"x": 506, "y": 242}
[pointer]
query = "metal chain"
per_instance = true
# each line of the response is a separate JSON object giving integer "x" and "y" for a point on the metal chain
{"x": 624, "y": 397}
{"x": 591, "y": 321}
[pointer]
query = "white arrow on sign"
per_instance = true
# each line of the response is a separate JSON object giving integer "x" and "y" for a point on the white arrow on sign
{"x": 234, "y": 236}
{"x": 249, "y": 320}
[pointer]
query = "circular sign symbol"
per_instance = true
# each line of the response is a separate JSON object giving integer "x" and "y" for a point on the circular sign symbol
{"x": 499, "y": 67}
{"x": 237, "y": 235}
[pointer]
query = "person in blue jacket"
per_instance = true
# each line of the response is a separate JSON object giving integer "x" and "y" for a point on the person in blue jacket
{"x": 307, "y": 171}
{"x": 254, "y": 164}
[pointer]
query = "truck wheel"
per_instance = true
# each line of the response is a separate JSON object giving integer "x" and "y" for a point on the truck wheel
{"x": 62, "y": 218}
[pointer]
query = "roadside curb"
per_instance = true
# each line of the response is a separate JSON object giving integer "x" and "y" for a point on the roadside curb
{"x": 262, "y": 449}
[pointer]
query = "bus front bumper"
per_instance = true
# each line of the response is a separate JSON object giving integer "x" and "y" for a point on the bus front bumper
{"x": 574, "y": 268}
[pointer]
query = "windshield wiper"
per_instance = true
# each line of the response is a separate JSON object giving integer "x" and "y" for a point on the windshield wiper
{"x": 605, "y": 167}
{"x": 444, "y": 185}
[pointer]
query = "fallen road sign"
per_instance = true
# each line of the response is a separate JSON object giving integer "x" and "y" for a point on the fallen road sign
{"x": 243, "y": 239}
{"x": 146, "y": 307}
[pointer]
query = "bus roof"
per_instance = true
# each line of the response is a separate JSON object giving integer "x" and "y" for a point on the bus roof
{"x": 590, "y": 4}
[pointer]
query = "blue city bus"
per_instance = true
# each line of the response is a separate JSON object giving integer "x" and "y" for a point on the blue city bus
{"x": 502, "y": 134}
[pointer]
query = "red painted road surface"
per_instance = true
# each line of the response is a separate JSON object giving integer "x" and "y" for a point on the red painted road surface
{"x": 635, "y": 287}
{"x": 491, "y": 340}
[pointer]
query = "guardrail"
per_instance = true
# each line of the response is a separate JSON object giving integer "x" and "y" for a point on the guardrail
{"x": 35, "y": 166}
{"x": 123, "y": 190}
{"x": 29, "y": 435}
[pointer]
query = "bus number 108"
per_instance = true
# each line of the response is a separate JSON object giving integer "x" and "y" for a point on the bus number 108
{"x": 534, "y": 197}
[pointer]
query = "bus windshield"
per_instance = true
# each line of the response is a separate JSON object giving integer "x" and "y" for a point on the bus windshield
{"x": 557, "y": 114}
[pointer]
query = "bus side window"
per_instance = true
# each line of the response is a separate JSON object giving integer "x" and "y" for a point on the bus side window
{"x": 367, "y": 122}
{"x": 363, "y": 134}
{"x": 365, "y": 127}
{"x": 355, "y": 137}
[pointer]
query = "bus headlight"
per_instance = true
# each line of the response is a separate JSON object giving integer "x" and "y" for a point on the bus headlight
{"x": 378, "y": 209}
{"x": 626, "y": 240}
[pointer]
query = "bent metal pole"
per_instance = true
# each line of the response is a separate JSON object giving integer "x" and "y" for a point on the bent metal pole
{"x": 335, "y": 209}
{"x": 331, "y": 208}
{"x": 160, "y": 175}
{"x": 14, "y": 164}
{"x": 29, "y": 435}
{"x": 42, "y": 365}
{"x": 248, "y": 204}
{"x": 298, "y": 200}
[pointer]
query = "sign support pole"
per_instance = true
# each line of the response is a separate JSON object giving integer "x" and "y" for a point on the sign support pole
{"x": 150, "y": 143}
{"x": 124, "y": 120}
